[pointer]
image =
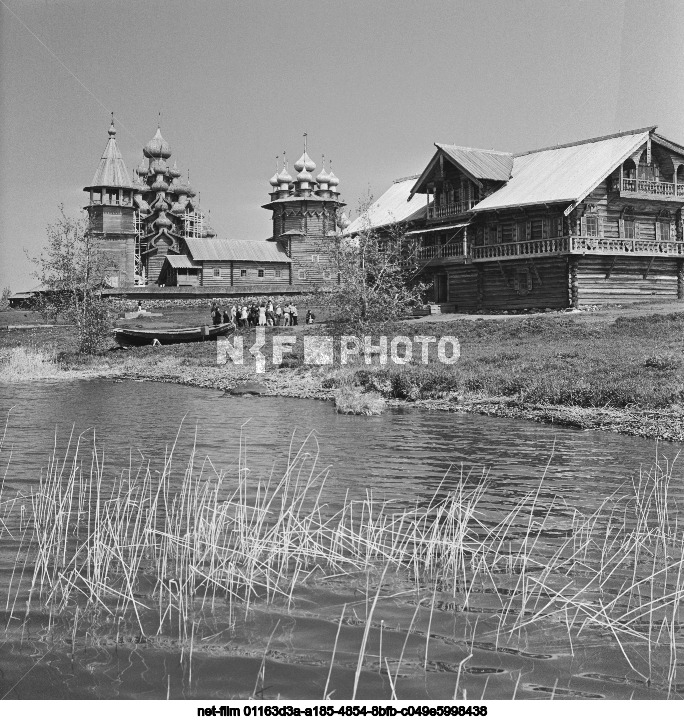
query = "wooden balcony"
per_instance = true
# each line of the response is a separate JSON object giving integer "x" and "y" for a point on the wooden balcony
{"x": 578, "y": 245}
{"x": 424, "y": 255}
{"x": 447, "y": 210}
{"x": 441, "y": 251}
{"x": 650, "y": 189}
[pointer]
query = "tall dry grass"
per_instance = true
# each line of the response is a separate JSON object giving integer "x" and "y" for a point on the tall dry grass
{"x": 160, "y": 550}
{"x": 20, "y": 364}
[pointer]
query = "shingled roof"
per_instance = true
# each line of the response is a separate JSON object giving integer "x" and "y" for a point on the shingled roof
{"x": 111, "y": 172}
{"x": 261, "y": 251}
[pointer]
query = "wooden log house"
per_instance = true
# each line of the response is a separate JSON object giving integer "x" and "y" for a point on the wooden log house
{"x": 591, "y": 222}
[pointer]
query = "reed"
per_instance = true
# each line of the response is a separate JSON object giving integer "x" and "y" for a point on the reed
{"x": 159, "y": 550}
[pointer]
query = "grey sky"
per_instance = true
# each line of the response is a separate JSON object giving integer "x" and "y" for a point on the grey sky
{"x": 374, "y": 84}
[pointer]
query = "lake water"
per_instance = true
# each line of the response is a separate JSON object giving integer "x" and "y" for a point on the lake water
{"x": 404, "y": 456}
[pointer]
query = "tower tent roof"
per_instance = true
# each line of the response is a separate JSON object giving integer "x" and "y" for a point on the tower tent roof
{"x": 111, "y": 172}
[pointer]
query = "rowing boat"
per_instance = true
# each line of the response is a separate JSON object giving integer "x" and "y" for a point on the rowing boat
{"x": 165, "y": 336}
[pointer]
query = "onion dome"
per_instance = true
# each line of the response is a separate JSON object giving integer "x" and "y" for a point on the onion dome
{"x": 209, "y": 232}
{"x": 159, "y": 166}
{"x": 139, "y": 186}
{"x": 305, "y": 163}
{"x": 179, "y": 207}
{"x": 284, "y": 177}
{"x": 274, "y": 181}
{"x": 333, "y": 180}
{"x": 305, "y": 177}
{"x": 162, "y": 221}
{"x": 323, "y": 177}
{"x": 343, "y": 221}
{"x": 157, "y": 147}
{"x": 174, "y": 172}
{"x": 160, "y": 184}
{"x": 112, "y": 129}
{"x": 142, "y": 169}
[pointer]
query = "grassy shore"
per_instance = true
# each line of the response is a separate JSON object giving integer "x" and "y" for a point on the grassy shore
{"x": 616, "y": 369}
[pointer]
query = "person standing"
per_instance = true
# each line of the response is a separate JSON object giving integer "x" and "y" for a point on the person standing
{"x": 286, "y": 315}
{"x": 278, "y": 314}
{"x": 243, "y": 316}
{"x": 293, "y": 314}
{"x": 310, "y": 317}
{"x": 262, "y": 315}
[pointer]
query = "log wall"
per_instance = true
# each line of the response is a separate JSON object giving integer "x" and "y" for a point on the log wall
{"x": 621, "y": 279}
{"x": 463, "y": 287}
{"x": 517, "y": 284}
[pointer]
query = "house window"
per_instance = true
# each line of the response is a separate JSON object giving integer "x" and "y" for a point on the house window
{"x": 243, "y": 273}
{"x": 217, "y": 272}
{"x": 260, "y": 272}
{"x": 302, "y": 275}
{"x": 521, "y": 231}
{"x": 664, "y": 229}
{"x": 523, "y": 281}
{"x": 278, "y": 273}
{"x": 592, "y": 225}
{"x": 315, "y": 258}
{"x": 327, "y": 275}
{"x": 507, "y": 232}
{"x": 537, "y": 229}
{"x": 556, "y": 227}
{"x": 630, "y": 230}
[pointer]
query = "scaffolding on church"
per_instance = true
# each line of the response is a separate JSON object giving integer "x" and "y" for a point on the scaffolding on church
{"x": 140, "y": 275}
{"x": 193, "y": 224}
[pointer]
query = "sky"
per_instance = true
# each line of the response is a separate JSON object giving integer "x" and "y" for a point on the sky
{"x": 373, "y": 83}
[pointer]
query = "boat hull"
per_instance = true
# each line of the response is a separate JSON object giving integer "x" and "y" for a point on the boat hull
{"x": 167, "y": 336}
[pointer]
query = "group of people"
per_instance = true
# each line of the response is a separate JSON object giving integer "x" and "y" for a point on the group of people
{"x": 269, "y": 313}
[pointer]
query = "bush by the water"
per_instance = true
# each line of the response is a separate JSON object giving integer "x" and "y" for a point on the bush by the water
{"x": 354, "y": 401}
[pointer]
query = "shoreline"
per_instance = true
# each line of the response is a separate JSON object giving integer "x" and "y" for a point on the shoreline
{"x": 665, "y": 425}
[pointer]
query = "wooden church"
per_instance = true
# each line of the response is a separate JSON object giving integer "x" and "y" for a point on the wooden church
{"x": 155, "y": 232}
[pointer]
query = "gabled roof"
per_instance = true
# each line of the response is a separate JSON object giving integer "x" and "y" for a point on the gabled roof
{"x": 476, "y": 164}
{"x": 182, "y": 261}
{"x": 564, "y": 173}
{"x": 481, "y": 164}
{"x": 111, "y": 171}
{"x": 261, "y": 251}
{"x": 391, "y": 207}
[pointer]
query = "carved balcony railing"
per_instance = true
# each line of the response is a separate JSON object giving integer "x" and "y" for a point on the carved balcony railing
{"x": 440, "y": 251}
{"x": 423, "y": 255}
{"x": 522, "y": 249}
{"x": 651, "y": 187}
{"x": 578, "y": 245}
{"x": 626, "y": 246}
{"x": 445, "y": 210}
